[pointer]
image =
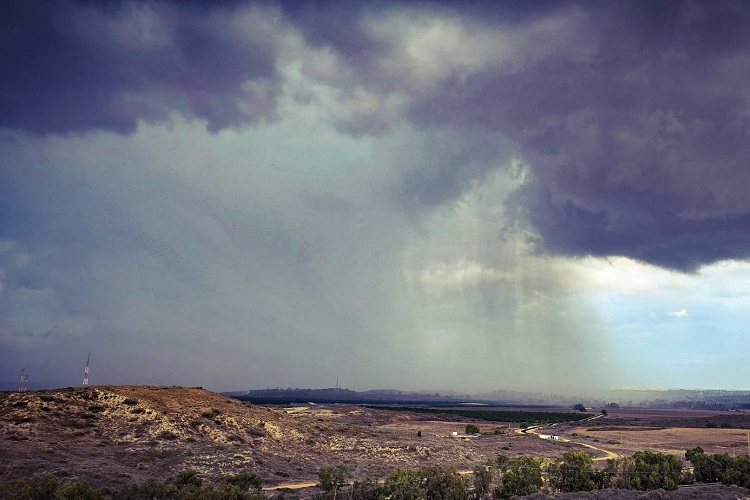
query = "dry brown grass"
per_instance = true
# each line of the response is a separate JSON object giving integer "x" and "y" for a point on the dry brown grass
{"x": 117, "y": 435}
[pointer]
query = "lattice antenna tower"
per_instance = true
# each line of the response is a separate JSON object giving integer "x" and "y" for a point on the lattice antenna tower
{"x": 24, "y": 381}
{"x": 86, "y": 370}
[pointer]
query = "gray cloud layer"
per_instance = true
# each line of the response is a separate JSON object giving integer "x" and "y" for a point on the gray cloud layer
{"x": 375, "y": 174}
{"x": 633, "y": 116}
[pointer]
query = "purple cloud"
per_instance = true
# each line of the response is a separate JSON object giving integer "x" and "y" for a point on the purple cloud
{"x": 632, "y": 117}
{"x": 88, "y": 66}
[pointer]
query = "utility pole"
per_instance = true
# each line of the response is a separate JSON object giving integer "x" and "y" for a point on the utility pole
{"x": 24, "y": 381}
{"x": 86, "y": 370}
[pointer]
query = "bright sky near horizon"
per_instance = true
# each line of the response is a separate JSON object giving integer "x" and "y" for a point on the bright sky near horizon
{"x": 547, "y": 196}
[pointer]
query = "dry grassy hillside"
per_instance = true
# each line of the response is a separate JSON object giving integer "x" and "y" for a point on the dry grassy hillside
{"x": 116, "y": 435}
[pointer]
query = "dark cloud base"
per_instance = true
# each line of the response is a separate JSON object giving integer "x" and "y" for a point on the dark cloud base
{"x": 634, "y": 124}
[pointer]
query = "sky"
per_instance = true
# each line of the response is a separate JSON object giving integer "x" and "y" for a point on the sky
{"x": 545, "y": 196}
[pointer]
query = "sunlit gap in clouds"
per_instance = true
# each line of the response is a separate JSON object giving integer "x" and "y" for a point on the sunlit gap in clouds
{"x": 492, "y": 312}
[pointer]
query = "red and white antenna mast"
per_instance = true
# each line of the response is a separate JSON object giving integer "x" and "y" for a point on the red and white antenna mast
{"x": 24, "y": 380}
{"x": 86, "y": 370}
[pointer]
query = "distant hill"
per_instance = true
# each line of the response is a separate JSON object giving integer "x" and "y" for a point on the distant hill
{"x": 338, "y": 395}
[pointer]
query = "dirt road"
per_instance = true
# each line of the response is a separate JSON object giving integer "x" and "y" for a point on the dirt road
{"x": 608, "y": 454}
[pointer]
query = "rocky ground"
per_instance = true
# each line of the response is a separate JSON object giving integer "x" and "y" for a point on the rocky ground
{"x": 117, "y": 435}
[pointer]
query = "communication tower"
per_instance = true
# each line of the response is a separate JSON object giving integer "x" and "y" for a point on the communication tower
{"x": 24, "y": 381}
{"x": 86, "y": 370}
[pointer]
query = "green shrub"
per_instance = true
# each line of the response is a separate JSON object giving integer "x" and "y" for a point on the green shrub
{"x": 472, "y": 429}
{"x": 41, "y": 487}
{"x": 187, "y": 478}
{"x": 78, "y": 490}
{"x": 245, "y": 480}
{"x": 332, "y": 478}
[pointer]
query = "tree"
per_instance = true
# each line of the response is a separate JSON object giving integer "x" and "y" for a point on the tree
{"x": 245, "y": 481}
{"x": 404, "y": 484}
{"x": 482, "y": 481}
{"x": 368, "y": 489}
{"x": 333, "y": 478}
{"x": 40, "y": 487}
{"x": 187, "y": 478}
{"x": 77, "y": 490}
{"x": 426, "y": 482}
{"x": 152, "y": 489}
{"x": 445, "y": 484}
{"x": 739, "y": 472}
{"x": 693, "y": 452}
{"x": 708, "y": 467}
{"x": 521, "y": 476}
{"x": 623, "y": 469}
{"x": 574, "y": 472}
{"x": 472, "y": 429}
{"x": 655, "y": 470}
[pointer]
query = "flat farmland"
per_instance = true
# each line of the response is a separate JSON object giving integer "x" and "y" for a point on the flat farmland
{"x": 625, "y": 431}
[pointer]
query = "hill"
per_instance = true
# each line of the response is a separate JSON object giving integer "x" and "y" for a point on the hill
{"x": 118, "y": 435}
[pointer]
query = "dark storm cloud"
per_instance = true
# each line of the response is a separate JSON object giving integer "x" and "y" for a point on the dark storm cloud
{"x": 632, "y": 117}
{"x": 75, "y": 66}
{"x": 638, "y": 148}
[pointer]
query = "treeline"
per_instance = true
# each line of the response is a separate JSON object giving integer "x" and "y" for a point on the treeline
{"x": 540, "y": 417}
{"x": 573, "y": 472}
{"x": 501, "y": 478}
{"x": 184, "y": 486}
{"x": 712, "y": 468}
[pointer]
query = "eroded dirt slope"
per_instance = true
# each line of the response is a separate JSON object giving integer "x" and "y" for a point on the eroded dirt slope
{"x": 117, "y": 435}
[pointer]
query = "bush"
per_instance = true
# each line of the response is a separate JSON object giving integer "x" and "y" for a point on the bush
{"x": 41, "y": 487}
{"x": 187, "y": 478}
{"x": 472, "y": 429}
{"x": 574, "y": 472}
{"x": 77, "y": 490}
{"x": 245, "y": 481}
{"x": 521, "y": 476}
{"x": 427, "y": 482}
{"x": 130, "y": 402}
